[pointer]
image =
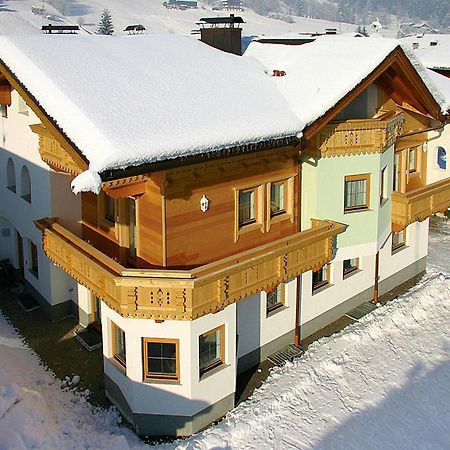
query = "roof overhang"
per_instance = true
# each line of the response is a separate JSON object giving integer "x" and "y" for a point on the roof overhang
{"x": 398, "y": 77}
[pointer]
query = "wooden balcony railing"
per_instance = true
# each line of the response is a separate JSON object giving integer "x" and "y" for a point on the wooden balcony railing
{"x": 188, "y": 294}
{"x": 418, "y": 204}
{"x": 353, "y": 137}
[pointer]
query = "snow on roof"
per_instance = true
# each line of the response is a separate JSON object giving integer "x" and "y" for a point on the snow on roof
{"x": 126, "y": 101}
{"x": 443, "y": 84}
{"x": 321, "y": 73}
{"x": 433, "y": 50}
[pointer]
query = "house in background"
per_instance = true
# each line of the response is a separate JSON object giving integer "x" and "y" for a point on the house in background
{"x": 364, "y": 163}
{"x": 201, "y": 250}
{"x": 28, "y": 190}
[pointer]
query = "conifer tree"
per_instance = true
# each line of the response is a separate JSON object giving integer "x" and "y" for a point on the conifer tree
{"x": 105, "y": 26}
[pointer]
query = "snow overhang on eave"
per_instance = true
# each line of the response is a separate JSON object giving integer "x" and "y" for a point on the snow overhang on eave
{"x": 209, "y": 155}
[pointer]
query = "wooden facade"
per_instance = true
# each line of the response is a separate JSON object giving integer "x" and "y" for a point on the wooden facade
{"x": 5, "y": 91}
{"x": 173, "y": 231}
{"x": 188, "y": 294}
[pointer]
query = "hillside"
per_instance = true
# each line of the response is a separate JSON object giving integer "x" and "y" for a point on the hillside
{"x": 16, "y": 17}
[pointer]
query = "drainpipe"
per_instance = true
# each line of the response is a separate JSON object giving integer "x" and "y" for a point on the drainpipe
{"x": 297, "y": 312}
{"x": 375, "y": 285}
{"x": 425, "y": 130}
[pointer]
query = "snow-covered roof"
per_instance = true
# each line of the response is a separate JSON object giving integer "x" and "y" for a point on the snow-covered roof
{"x": 442, "y": 83}
{"x": 433, "y": 50}
{"x": 125, "y": 101}
{"x": 321, "y": 73}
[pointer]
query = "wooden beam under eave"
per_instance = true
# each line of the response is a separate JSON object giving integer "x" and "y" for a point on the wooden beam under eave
{"x": 5, "y": 91}
{"x": 71, "y": 149}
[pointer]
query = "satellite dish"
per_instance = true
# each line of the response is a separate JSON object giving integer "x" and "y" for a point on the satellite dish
{"x": 376, "y": 26}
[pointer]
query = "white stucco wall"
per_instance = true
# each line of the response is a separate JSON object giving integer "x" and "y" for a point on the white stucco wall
{"x": 437, "y": 139}
{"x": 255, "y": 328}
{"x": 192, "y": 394}
{"x": 416, "y": 248}
{"x": 19, "y": 143}
{"x": 339, "y": 290}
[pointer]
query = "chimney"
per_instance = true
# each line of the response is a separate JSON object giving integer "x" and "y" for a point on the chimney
{"x": 223, "y": 33}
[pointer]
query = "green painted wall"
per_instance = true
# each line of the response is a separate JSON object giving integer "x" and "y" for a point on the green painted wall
{"x": 323, "y": 195}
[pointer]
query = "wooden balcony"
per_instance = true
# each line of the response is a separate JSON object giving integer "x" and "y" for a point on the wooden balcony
{"x": 418, "y": 204}
{"x": 352, "y": 137}
{"x": 188, "y": 294}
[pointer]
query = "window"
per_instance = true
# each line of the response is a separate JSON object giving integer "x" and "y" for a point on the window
{"x": 320, "y": 277}
{"x": 398, "y": 240}
{"x": 25, "y": 182}
{"x": 161, "y": 359}
{"x": 350, "y": 266}
{"x": 356, "y": 192}
{"x": 4, "y": 111}
{"x": 275, "y": 299}
{"x": 118, "y": 345}
{"x": 247, "y": 206}
{"x": 10, "y": 175}
{"x": 132, "y": 229}
{"x": 396, "y": 177}
{"x": 441, "y": 158}
{"x": 211, "y": 349}
{"x": 110, "y": 208}
{"x": 383, "y": 185}
{"x": 412, "y": 159}
{"x": 22, "y": 106}
{"x": 34, "y": 267}
{"x": 277, "y": 198}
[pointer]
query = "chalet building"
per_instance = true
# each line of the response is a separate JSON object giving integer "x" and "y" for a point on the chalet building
{"x": 221, "y": 216}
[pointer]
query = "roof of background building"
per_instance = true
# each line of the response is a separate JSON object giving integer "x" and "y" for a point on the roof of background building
{"x": 321, "y": 73}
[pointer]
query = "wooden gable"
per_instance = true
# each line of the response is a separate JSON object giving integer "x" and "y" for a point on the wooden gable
{"x": 5, "y": 91}
{"x": 400, "y": 82}
{"x": 78, "y": 163}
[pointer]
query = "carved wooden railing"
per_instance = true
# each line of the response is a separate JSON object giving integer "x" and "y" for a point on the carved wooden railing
{"x": 188, "y": 294}
{"x": 352, "y": 137}
{"x": 418, "y": 204}
{"x": 53, "y": 153}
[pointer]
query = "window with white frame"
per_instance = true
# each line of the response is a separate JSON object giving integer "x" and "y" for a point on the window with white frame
{"x": 350, "y": 266}
{"x": 10, "y": 175}
{"x": 356, "y": 192}
{"x": 398, "y": 240}
{"x": 320, "y": 277}
{"x": 275, "y": 298}
{"x": 441, "y": 158}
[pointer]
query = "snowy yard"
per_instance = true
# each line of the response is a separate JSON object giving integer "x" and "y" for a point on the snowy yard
{"x": 382, "y": 383}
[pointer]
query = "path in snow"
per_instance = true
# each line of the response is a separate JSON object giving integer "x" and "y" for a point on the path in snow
{"x": 381, "y": 383}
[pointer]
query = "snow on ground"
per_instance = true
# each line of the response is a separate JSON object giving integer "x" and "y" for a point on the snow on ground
{"x": 16, "y": 17}
{"x": 381, "y": 383}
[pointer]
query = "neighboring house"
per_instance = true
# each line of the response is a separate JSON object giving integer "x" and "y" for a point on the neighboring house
{"x": 29, "y": 190}
{"x": 434, "y": 53}
{"x": 231, "y": 213}
{"x": 364, "y": 156}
